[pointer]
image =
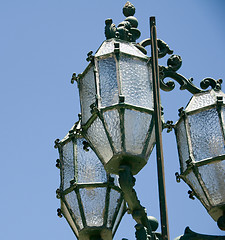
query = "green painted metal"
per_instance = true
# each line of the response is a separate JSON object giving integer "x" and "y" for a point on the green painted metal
{"x": 158, "y": 131}
{"x": 190, "y": 235}
{"x": 127, "y": 29}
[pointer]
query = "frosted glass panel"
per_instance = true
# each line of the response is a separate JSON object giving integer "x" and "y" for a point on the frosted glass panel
{"x": 213, "y": 176}
{"x": 206, "y": 135}
{"x": 151, "y": 143}
{"x": 108, "y": 82}
{"x": 87, "y": 94}
{"x": 71, "y": 199}
{"x": 118, "y": 217}
{"x": 182, "y": 143}
{"x": 68, "y": 164}
{"x": 112, "y": 120}
{"x": 66, "y": 214}
{"x": 193, "y": 181}
{"x": 97, "y": 136}
{"x": 106, "y": 48}
{"x": 89, "y": 167}
{"x": 94, "y": 205}
{"x": 136, "y": 85}
{"x": 129, "y": 48}
{"x": 204, "y": 99}
{"x": 113, "y": 202}
{"x": 136, "y": 128}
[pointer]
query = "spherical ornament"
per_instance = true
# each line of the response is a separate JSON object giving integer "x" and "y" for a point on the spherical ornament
{"x": 153, "y": 222}
{"x": 132, "y": 20}
{"x": 128, "y": 9}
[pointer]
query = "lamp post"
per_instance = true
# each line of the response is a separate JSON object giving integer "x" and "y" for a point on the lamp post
{"x": 121, "y": 122}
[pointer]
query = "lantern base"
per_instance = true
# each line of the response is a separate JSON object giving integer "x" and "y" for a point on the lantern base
{"x": 136, "y": 163}
{"x": 99, "y": 233}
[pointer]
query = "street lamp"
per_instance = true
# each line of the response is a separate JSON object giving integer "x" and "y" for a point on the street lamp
{"x": 120, "y": 123}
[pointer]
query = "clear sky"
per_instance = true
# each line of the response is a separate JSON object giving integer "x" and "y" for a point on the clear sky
{"x": 42, "y": 43}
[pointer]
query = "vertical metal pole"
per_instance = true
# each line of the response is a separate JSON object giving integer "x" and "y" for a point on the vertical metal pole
{"x": 158, "y": 130}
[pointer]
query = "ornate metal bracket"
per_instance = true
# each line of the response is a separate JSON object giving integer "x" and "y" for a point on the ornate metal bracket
{"x": 173, "y": 64}
{"x": 145, "y": 225}
{"x": 190, "y": 235}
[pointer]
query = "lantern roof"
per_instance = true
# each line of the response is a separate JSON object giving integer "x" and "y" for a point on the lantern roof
{"x": 204, "y": 99}
{"x": 108, "y": 47}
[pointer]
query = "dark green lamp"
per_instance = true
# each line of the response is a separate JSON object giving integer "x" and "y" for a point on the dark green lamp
{"x": 200, "y": 134}
{"x": 91, "y": 199}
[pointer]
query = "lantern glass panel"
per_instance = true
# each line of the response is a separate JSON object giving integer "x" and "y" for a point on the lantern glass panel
{"x": 136, "y": 129}
{"x": 136, "y": 85}
{"x": 87, "y": 94}
{"x": 182, "y": 143}
{"x": 66, "y": 214}
{"x": 97, "y": 136}
{"x": 213, "y": 176}
{"x": 71, "y": 199}
{"x": 93, "y": 200}
{"x": 68, "y": 164}
{"x": 193, "y": 181}
{"x": 108, "y": 82}
{"x": 112, "y": 120}
{"x": 151, "y": 142}
{"x": 113, "y": 201}
{"x": 89, "y": 167}
{"x": 108, "y": 47}
{"x": 118, "y": 218}
{"x": 206, "y": 135}
{"x": 202, "y": 100}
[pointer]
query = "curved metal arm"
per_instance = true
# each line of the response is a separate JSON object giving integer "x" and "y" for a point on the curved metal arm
{"x": 173, "y": 64}
{"x": 127, "y": 182}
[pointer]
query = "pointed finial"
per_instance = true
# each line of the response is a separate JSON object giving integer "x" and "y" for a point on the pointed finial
{"x": 128, "y": 9}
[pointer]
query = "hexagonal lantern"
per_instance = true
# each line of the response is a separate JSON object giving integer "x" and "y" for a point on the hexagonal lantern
{"x": 91, "y": 199}
{"x": 201, "y": 146}
{"x": 117, "y": 105}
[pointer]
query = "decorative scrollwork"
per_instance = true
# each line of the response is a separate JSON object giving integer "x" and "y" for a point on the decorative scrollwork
{"x": 173, "y": 64}
{"x": 163, "y": 48}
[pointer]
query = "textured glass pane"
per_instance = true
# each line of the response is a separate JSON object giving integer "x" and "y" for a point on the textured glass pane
{"x": 113, "y": 202}
{"x": 213, "y": 176}
{"x": 112, "y": 120}
{"x": 106, "y": 48}
{"x": 136, "y": 129}
{"x": 223, "y": 116}
{"x": 118, "y": 218}
{"x": 68, "y": 164}
{"x": 93, "y": 200}
{"x": 89, "y": 167}
{"x": 72, "y": 202}
{"x": 96, "y": 134}
{"x": 182, "y": 144}
{"x": 66, "y": 214}
{"x": 206, "y": 135}
{"x": 108, "y": 82}
{"x": 87, "y": 94}
{"x": 203, "y": 99}
{"x": 129, "y": 48}
{"x": 193, "y": 181}
{"x": 136, "y": 82}
{"x": 151, "y": 143}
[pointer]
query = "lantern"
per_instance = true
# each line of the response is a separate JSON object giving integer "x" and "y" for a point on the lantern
{"x": 91, "y": 199}
{"x": 201, "y": 146}
{"x": 117, "y": 105}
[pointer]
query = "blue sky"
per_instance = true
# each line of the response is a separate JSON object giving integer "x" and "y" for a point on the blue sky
{"x": 42, "y": 43}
